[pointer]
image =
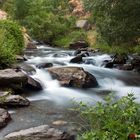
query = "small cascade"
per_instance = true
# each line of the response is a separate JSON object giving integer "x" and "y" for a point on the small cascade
{"x": 110, "y": 80}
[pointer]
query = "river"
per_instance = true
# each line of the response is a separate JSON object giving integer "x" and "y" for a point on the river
{"x": 53, "y": 102}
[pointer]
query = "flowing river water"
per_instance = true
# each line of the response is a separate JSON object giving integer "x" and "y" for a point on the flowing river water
{"x": 53, "y": 102}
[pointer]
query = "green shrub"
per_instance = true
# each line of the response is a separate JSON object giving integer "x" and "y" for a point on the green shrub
{"x": 65, "y": 40}
{"x": 7, "y": 54}
{"x": 112, "y": 120}
{"x": 13, "y": 35}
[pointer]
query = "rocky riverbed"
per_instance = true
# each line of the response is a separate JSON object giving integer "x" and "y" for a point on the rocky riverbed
{"x": 50, "y": 80}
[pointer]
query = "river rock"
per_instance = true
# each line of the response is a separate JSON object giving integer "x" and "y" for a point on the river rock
{"x": 14, "y": 100}
{"x": 31, "y": 45}
{"x": 127, "y": 67}
{"x": 44, "y": 65}
{"x": 119, "y": 59}
{"x": 78, "y": 44}
{"x": 33, "y": 84}
{"x": 43, "y": 132}
{"x": 4, "y": 117}
{"x": 77, "y": 59}
{"x": 73, "y": 77}
{"x": 28, "y": 69}
{"x": 20, "y": 58}
{"x": 10, "y": 76}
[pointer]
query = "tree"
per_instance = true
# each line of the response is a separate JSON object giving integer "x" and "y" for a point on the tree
{"x": 118, "y": 21}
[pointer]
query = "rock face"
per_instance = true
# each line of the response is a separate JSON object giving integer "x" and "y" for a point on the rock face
{"x": 73, "y": 77}
{"x": 14, "y": 100}
{"x": 78, "y": 45}
{"x": 43, "y": 132}
{"x": 4, "y": 117}
{"x": 10, "y": 76}
{"x": 33, "y": 84}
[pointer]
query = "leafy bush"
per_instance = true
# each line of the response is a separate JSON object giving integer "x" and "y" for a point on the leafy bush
{"x": 118, "y": 22}
{"x": 64, "y": 41}
{"x": 7, "y": 54}
{"x": 111, "y": 120}
{"x": 13, "y": 35}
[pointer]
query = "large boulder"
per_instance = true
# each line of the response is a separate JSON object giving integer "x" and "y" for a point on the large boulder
{"x": 11, "y": 76}
{"x": 73, "y": 77}
{"x": 33, "y": 84}
{"x": 4, "y": 117}
{"x": 78, "y": 45}
{"x": 13, "y": 100}
{"x": 43, "y": 132}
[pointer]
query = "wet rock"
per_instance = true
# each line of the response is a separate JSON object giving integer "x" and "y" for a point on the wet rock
{"x": 77, "y": 59}
{"x": 44, "y": 65}
{"x": 28, "y": 69}
{"x": 10, "y": 76}
{"x": 108, "y": 64}
{"x": 78, "y": 44}
{"x": 20, "y": 58}
{"x": 31, "y": 45}
{"x": 4, "y": 117}
{"x": 43, "y": 132}
{"x": 33, "y": 84}
{"x": 73, "y": 77}
{"x": 127, "y": 67}
{"x": 13, "y": 100}
{"x": 89, "y": 61}
{"x": 119, "y": 59}
{"x": 136, "y": 63}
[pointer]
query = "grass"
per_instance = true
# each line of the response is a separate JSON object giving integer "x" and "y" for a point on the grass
{"x": 64, "y": 41}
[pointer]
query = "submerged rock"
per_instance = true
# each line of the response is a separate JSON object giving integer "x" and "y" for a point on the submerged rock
{"x": 33, "y": 84}
{"x": 43, "y": 132}
{"x": 73, "y": 77}
{"x": 14, "y": 100}
{"x": 44, "y": 65}
{"x": 4, "y": 117}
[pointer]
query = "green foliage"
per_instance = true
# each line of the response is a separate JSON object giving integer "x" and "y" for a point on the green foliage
{"x": 45, "y": 20}
{"x": 13, "y": 38}
{"x": 7, "y": 55}
{"x": 111, "y": 120}
{"x": 64, "y": 41}
{"x": 118, "y": 22}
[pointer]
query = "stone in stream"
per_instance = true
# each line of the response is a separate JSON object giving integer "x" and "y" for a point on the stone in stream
{"x": 43, "y": 132}
{"x": 10, "y": 76}
{"x": 31, "y": 45}
{"x": 4, "y": 117}
{"x": 44, "y": 65}
{"x": 13, "y": 100}
{"x": 77, "y": 59}
{"x": 33, "y": 84}
{"x": 73, "y": 77}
